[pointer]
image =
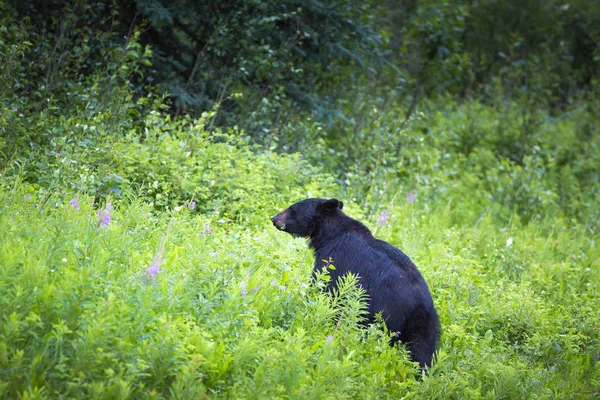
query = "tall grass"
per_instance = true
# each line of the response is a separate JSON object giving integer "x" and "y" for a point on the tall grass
{"x": 230, "y": 312}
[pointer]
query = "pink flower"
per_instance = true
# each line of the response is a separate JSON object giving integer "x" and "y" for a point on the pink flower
{"x": 74, "y": 203}
{"x": 104, "y": 215}
{"x": 154, "y": 268}
{"x": 28, "y": 197}
{"x": 207, "y": 230}
{"x": 383, "y": 218}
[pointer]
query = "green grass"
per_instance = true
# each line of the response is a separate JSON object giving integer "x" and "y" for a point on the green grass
{"x": 232, "y": 315}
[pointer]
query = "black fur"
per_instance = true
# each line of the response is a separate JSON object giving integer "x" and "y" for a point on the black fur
{"x": 395, "y": 287}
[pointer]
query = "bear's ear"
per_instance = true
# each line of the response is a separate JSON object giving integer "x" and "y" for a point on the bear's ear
{"x": 329, "y": 206}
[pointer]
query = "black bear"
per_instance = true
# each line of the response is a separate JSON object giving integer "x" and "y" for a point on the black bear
{"x": 395, "y": 287}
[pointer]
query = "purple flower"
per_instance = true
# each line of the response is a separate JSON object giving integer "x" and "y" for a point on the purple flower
{"x": 244, "y": 289}
{"x": 207, "y": 230}
{"x": 192, "y": 205}
{"x": 28, "y": 197}
{"x": 255, "y": 289}
{"x": 329, "y": 339}
{"x": 74, "y": 203}
{"x": 154, "y": 268}
{"x": 131, "y": 231}
{"x": 383, "y": 218}
{"x": 411, "y": 196}
{"x": 104, "y": 216}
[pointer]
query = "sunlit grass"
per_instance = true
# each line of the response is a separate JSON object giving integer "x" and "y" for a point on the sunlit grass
{"x": 230, "y": 311}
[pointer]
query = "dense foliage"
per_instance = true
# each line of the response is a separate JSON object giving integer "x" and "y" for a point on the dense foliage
{"x": 546, "y": 51}
{"x": 264, "y": 62}
{"x": 259, "y": 60}
{"x": 227, "y": 311}
{"x": 137, "y": 259}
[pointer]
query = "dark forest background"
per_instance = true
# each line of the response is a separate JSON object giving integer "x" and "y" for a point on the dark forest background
{"x": 288, "y": 57}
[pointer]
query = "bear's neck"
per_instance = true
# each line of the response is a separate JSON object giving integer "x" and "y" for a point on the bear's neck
{"x": 335, "y": 226}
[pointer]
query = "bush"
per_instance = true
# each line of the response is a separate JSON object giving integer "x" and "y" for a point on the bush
{"x": 153, "y": 304}
{"x": 104, "y": 140}
{"x": 507, "y": 157}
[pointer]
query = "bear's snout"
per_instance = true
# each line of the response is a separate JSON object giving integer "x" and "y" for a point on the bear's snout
{"x": 279, "y": 220}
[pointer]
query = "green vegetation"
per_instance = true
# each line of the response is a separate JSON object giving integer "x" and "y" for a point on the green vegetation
{"x": 137, "y": 259}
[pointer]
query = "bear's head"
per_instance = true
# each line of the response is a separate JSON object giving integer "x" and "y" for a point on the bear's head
{"x": 302, "y": 219}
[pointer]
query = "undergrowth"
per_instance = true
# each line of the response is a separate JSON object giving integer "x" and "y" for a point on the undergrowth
{"x": 181, "y": 304}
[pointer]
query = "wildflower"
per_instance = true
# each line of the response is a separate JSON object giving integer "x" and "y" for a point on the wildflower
{"x": 192, "y": 205}
{"x": 213, "y": 253}
{"x": 244, "y": 289}
{"x": 255, "y": 289}
{"x": 64, "y": 260}
{"x": 74, "y": 203}
{"x": 131, "y": 231}
{"x": 154, "y": 268}
{"x": 411, "y": 196}
{"x": 207, "y": 230}
{"x": 104, "y": 215}
{"x": 28, "y": 197}
{"x": 329, "y": 339}
{"x": 383, "y": 218}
